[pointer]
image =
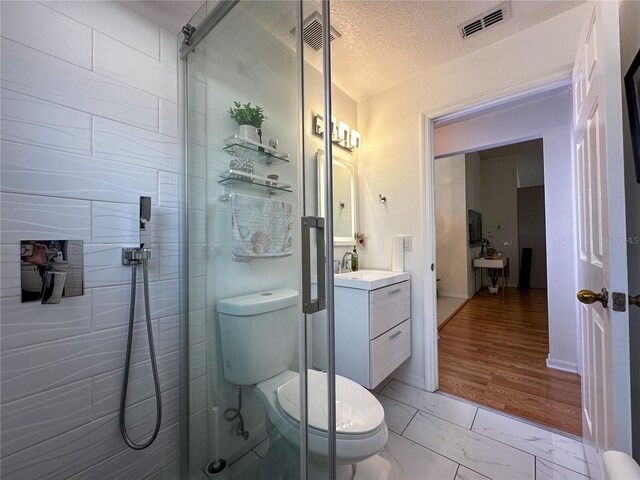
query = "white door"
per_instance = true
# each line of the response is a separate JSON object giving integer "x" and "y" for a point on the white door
{"x": 602, "y": 234}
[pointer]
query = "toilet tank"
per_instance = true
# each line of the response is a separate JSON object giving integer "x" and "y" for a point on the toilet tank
{"x": 257, "y": 334}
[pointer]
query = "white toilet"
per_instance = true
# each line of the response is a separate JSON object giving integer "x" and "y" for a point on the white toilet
{"x": 257, "y": 334}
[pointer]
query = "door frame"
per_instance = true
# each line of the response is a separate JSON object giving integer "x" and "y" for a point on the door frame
{"x": 492, "y": 99}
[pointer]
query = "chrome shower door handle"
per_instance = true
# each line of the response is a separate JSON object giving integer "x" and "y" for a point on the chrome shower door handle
{"x": 309, "y": 304}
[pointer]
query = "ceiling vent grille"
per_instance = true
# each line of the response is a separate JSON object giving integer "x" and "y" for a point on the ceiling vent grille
{"x": 312, "y": 31}
{"x": 486, "y": 20}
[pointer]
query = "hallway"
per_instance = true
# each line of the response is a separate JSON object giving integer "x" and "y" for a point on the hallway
{"x": 493, "y": 352}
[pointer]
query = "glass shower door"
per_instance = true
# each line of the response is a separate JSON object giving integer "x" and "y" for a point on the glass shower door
{"x": 250, "y": 93}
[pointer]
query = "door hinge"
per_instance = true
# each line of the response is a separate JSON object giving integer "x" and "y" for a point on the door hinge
{"x": 619, "y": 302}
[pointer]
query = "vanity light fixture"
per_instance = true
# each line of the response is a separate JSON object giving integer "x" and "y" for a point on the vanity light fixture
{"x": 355, "y": 139}
{"x": 341, "y": 134}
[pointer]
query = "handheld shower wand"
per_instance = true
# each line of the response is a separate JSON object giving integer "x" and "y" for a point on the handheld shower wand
{"x": 145, "y": 218}
{"x": 135, "y": 256}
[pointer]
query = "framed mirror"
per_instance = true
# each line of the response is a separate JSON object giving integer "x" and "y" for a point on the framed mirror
{"x": 344, "y": 198}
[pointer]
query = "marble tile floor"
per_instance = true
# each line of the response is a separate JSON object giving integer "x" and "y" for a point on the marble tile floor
{"x": 439, "y": 437}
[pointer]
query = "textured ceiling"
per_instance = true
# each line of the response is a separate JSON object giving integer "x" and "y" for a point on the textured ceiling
{"x": 385, "y": 42}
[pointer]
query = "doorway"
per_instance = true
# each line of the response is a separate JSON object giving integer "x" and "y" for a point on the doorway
{"x": 505, "y": 351}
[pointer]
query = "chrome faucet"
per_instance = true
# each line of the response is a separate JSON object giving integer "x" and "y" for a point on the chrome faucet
{"x": 337, "y": 266}
{"x": 346, "y": 266}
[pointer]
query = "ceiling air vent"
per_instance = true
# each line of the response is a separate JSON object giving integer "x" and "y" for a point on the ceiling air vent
{"x": 312, "y": 31}
{"x": 484, "y": 21}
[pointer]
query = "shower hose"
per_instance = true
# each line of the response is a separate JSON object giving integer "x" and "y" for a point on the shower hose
{"x": 127, "y": 363}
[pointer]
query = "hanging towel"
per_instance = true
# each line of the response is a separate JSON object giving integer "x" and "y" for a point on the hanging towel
{"x": 261, "y": 227}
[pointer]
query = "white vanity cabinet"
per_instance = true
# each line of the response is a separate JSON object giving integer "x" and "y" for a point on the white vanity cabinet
{"x": 373, "y": 329}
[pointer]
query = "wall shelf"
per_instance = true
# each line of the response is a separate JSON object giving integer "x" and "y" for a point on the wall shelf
{"x": 236, "y": 177}
{"x": 258, "y": 152}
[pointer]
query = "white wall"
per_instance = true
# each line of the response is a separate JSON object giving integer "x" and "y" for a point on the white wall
{"x": 451, "y": 227}
{"x": 390, "y": 160}
{"x": 472, "y": 193}
{"x": 549, "y": 117}
{"x": 532, "y": 232}
{"x": 88, "y": 125}
{"x": 531, "y": 165}
{"x": 499, "y": 207}
{"x": 629, "y": 46}
{"x": 530, "y": 161}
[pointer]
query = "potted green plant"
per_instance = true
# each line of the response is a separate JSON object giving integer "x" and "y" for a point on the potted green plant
{"x": 486, "y": 244}
{"x": 249, "y": 119}
{"x": 493, "y": 275}
{"x": 489, "y": 251}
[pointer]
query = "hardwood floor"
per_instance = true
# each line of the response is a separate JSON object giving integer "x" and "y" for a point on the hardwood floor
{"x": 493, "y": 352}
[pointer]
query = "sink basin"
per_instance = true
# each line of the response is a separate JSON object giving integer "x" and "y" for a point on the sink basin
{"x": 369, "y": 279}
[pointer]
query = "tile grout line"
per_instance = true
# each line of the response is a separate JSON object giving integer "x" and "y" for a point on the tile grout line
{"x": 502, "y": 413}
{"x": 430, "y": 450}
{"x": 474, "y": 419}
{"x": 475, "y": 432}
{"x": 499, "y": 441}
{"x": 420, "y": 410}
{"x": 93, "y": 28}
{"x": 407, "y": 425}
{"x": 76, "y": 109}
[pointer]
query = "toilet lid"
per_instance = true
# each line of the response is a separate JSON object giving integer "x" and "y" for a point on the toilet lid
{"x": 357, "y": 410}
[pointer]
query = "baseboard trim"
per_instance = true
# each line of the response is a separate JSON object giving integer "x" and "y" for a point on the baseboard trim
{"x": 562, "y": 365}
{"x": 454, "y": 295}
{"x": 453, "y": 314}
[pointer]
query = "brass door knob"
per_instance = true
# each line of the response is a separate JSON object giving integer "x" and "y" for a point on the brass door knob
{"x": 588, "y": 297}
{"x": 634, "y": 300}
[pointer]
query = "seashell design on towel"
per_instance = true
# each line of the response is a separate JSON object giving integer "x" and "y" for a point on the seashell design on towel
{"x": 286, "y": 247}
{"x": 261, "y": 227}
{"x": 261, "y": 242}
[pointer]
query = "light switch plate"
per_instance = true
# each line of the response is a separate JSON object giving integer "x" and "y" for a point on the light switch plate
{"x": 407, "y": 241}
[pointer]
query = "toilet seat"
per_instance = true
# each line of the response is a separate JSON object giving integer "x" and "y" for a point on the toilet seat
{"x": 364, "y": 440}
{"x": 357, "y": 410}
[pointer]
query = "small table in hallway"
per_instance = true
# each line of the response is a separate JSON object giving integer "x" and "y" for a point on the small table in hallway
{"x": 501, "y": 264}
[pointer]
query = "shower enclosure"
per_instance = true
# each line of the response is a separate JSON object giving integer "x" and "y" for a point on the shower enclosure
{"x": 251, "y": 52}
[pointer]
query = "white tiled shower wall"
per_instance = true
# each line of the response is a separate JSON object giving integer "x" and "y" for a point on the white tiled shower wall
{"x": 89, "y": 95}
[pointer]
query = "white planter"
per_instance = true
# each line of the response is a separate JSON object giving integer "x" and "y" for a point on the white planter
{"x": 248, "y": 132}
{"x": 493, "y": 290}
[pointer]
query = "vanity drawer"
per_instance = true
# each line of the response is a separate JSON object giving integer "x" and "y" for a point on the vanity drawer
{"x": 388, "y": 307}
{"x": 388, "y": 351}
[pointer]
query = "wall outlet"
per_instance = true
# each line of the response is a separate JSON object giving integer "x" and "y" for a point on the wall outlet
{"x": 407, "y": 241}
{"x": 507, "y": 243}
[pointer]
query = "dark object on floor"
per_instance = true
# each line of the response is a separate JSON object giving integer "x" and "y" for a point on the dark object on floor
{"x": 525, "y": 268}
